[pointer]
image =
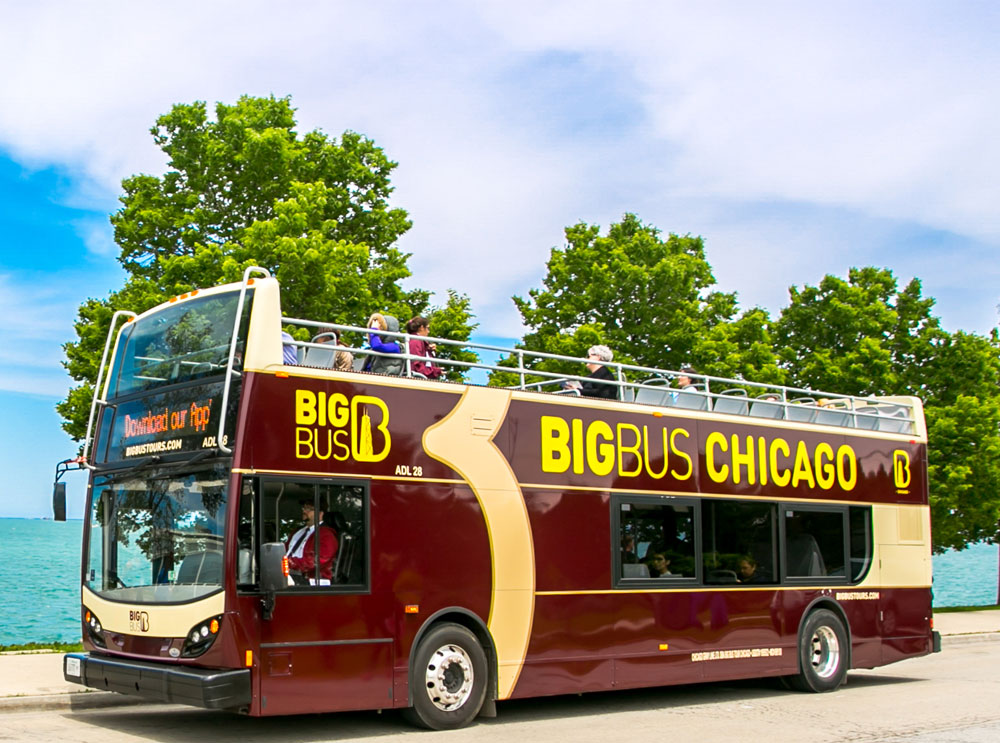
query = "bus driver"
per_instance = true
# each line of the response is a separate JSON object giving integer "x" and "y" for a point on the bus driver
{"x": 301, "y": 548}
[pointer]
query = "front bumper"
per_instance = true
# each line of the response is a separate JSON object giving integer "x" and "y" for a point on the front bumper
{"x": 200, "y": 687}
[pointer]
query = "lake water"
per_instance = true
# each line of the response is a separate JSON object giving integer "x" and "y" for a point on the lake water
{"x": 40, "y": 569}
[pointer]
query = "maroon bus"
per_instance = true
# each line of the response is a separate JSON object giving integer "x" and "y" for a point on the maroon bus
{"x": 277, "y": 538}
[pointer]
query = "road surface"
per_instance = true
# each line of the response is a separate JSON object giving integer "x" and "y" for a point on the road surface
{"x": 950, "y": 697}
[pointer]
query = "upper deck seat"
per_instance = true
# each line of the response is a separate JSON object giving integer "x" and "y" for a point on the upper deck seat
{"x": 831, "y": 417}
{"x": 767, "y": 406}
{"x": 866, "y": 418}
{"x": 653, "y": 392}
{"x": 733, "y": 402}
{"x": 802, "y": 410}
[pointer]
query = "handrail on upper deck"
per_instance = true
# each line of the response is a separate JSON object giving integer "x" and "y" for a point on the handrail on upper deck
{"x": 97, "y": 399}
{"x": 232, "y": 353}
{"x": 771, "y": 401}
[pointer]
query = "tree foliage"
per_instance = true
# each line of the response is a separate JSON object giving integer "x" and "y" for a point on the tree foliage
{"x": 654, "y": 302}
{"x": 243, "y": 189}
{"x": 864, "y": 336}
{"x": 650, "y": 299}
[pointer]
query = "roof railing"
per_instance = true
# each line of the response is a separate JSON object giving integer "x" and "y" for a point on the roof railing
{"x": 653, "y": 386}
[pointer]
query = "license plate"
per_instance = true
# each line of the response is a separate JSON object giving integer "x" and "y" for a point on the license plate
{"x": 73, "y": 667}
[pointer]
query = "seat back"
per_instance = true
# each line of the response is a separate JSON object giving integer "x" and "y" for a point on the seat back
{"x": 691, "y": 400}
{"x": 635, "y": 570}
{"x": 831, "y": 417}
{"x": 733, "y": 402}
{"x": 201, "y": 567}
{"x": 802, "y": 410}
{"x": 767, "y": 407}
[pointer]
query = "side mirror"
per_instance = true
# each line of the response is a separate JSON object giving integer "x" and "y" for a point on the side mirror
{"x": 273, "y": 574}
{"x": 59, "y": 501}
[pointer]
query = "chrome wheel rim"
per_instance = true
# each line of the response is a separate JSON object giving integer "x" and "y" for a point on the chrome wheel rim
{"x": 825, "y": 652}
{"x": 448, "y": 677}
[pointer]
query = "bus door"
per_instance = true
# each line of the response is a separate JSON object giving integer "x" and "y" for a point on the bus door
{"x": 324, "y": 648}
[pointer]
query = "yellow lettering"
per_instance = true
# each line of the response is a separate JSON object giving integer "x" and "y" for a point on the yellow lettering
{"x": 578, "y": 459}
{"x": 825, "y": 472}
{"x": 762, "y": 459}
{"x": 555, "y": 444}
{"x": 646, "y": 457}
{"x": 305, "y": 408}
{"x": 779, "y": 476}
{"x": 600, "y": 457}
{"x": 339, "y": 412}
{"x": 683, "y": 455}
{"x": 803, "y": 467}
{"x": 321, "y": 408}
{"x": 633, "y": 449}
{"x": 847, "y": 467}
{"x": 363, "y": 447}
{"x": 338, "y": 435}
{"x": 303, "y": 443}
{"x": 718, "y": 474}
{"x": 743, "y": 459}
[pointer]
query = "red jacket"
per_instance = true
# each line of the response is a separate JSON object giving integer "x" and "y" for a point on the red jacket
{"x": 306, "y": 564}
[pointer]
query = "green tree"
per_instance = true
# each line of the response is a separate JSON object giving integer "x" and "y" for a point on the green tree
{"x": 245, "y": 189}
{"x": 648, "y": 298}
{"x": 864, "y": 336}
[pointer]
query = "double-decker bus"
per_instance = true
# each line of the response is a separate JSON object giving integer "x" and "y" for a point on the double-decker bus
{"x": 275, "y": 538}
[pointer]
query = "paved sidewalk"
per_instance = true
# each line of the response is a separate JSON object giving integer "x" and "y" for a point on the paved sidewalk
{"x": 34, "y": 680}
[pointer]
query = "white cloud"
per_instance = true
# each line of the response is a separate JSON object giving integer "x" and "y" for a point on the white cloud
{"x": 512, "y": 120}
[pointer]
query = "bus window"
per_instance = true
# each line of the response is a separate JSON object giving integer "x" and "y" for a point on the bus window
{"x": 861, "y": 541}
{"x": 323, "y": 526}
{"x": 815, "y": 543}
{"x": 738, "y": 540}
{"x": 656, "y": 538}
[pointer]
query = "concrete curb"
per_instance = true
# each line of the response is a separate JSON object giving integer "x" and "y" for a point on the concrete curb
{"x": 970, "y": 638}
{"x": 74, "y": 700}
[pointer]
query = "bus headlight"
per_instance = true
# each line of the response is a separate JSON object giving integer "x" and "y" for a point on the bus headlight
{"x": 93, "y": 628}
{"x": 201, "y": 636}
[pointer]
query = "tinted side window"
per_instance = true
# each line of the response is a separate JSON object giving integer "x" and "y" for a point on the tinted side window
{"x": 656, "y": 539}
{"x": 861, "y": 541}
{"x": 815, "y": 543}
{"x": 323, "y": 525}
{"x": 738, "y": 540}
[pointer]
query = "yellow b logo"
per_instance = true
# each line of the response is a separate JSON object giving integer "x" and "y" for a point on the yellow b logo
{"x": 901, "y": 468}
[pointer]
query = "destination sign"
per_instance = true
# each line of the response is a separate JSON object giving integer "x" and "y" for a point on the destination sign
{"x": 178, "y": 420}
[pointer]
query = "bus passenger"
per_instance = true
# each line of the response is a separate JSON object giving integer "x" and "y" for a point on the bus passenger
{"x": 628, "y": 550}
{"x": 596, "y": 384}
{"x": 342, "y": 360}
{"x": 659, "y": 565}
{"x": 289, "y": 354}
{"x": 419, "y": 347}
{"x": 684, "y": 382}
{"x": 301, "y": 548}
{"x": 380, "y": 364}
{"x": 749, "y": 572}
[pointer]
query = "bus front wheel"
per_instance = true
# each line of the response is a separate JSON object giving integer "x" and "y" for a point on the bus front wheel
{"x": 823, "y": 653}
{"x": 449, "y": 678}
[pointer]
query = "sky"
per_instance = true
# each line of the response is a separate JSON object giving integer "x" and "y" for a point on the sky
{"x": 798, "y": 139}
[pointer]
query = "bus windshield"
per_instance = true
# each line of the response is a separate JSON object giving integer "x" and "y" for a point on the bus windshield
{"x": 157, "y": 537}
{"x": 185, "y": 341}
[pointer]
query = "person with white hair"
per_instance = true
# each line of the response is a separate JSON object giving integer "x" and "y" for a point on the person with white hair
{"x": 596, "y": 384}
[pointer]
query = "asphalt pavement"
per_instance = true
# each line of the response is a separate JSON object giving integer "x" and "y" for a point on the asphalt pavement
{"x": 34, "y": 680}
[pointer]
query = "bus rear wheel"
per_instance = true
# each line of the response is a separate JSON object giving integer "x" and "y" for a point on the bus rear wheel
{"x": 823, "y": 653}
{"x": 449, "y": 679}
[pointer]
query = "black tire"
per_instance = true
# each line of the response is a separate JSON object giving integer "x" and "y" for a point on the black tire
{"x": 448, "y": 679}
{"x": 823, "y": 653}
